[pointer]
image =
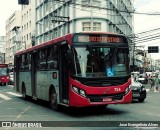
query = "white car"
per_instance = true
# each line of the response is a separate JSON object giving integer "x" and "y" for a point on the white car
{"x": 141, "y": 79}
{"x": 11, "y": 78}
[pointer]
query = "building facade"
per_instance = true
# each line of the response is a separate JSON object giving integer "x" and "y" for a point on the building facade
{"x": 28, "y": 24}
{"x": 13, "y": 24}
{"x": 2, "y": 49}
{"x": 43, "y": 20}
{"x": 57, "y": 18}
{"x": 20, "y": 31}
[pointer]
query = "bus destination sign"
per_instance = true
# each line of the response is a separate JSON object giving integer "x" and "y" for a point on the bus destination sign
{"x": 98, "y": 38}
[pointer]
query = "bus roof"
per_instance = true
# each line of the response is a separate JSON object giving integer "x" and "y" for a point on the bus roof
{"x": 53, "y": 41}
{"x": 60, "y": 39}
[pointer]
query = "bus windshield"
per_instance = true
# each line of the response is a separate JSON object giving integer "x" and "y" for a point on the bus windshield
{"x": 3, "y": 71}
{"x": 95, "y": 61}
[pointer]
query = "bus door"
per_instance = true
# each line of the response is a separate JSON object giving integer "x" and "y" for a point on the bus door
{"x": 33, "y": 74}
{"x": 64, "y": 79}
{"x": 16, "y": 74}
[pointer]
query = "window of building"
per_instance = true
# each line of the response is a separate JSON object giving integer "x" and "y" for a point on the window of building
{"x": 46, "y": 6}
{"x": 29, "y": 11}
{"x": 27, "y": 37}
{"x": 29, "y": 23}
{"x": 86, "y": 26}
{"x": 96, "y": 26}
{"x": 30, "y": 36}
{"x": 85, "y": 3}
{"x": 93, "y": 3}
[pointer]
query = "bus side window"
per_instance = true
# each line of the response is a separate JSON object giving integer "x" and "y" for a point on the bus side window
{"x": 52, "y": 57}
{"x": 28, "y": 62}
{"x": 23, "y": 63}
{"x": 42, "y": 59}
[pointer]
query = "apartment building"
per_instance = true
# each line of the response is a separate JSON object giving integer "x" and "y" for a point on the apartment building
{"x": 20, "y": 30}
{"x": 28, "y": 24}
{"x": 55, "y": 18}
{"x": 13, "y": 24}
{"x": 2, "y": 49}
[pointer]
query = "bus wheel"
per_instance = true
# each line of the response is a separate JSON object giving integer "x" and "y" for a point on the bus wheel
{"x": 53, "y": 100}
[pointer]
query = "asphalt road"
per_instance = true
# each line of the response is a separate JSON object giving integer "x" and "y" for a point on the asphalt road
{"x": 14, "y": 108}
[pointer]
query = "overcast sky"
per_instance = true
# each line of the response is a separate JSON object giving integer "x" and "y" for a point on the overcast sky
{"x": 147, "y": 22}
{"x": 7, "y": 8}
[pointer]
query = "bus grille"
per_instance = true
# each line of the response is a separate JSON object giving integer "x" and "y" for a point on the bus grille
{"x": 99, "y": 98}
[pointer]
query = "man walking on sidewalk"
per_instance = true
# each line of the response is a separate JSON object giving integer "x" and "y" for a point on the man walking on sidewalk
{"x": 156, "y": 84}
{"x": 151, "y": 81}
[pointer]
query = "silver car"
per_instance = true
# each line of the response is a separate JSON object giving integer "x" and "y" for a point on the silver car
{"x": 11, "y": 78}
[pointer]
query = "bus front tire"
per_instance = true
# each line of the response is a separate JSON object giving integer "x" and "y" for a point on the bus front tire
{"x": 53, "y": 100}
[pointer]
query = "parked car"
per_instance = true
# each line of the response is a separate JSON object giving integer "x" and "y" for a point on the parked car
{"x": 139, "y": 77}
{"x": 11, "y": 78}
{"x": 142, "y": 79}
{"x": 138, "y": 90}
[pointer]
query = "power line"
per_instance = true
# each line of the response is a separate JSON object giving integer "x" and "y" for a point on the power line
{"x": 148, "y": 39}
{"x": 148, "y": 31}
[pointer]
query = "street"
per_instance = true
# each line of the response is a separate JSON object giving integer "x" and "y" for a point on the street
{"x": 14, "y": 108}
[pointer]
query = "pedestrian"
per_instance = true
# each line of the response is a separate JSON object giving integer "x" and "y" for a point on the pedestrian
{"x": 151, "y": 81}
{"x": 146, "y": 78}
{"x": 156, "y": 84}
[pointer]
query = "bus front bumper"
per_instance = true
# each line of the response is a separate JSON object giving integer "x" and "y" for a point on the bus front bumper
{"x": 94, "y": 100}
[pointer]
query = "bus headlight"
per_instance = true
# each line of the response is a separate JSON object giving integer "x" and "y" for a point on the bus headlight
{"x": 75, "y": 89}
{"x": 82, "y": 93}
{"x": 79, "y": 91}
{"x": 127, "y": 89}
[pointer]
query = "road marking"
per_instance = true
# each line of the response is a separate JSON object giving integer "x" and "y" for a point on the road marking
{"x": 20, "y": 115}
{"x": 4, "y": 97}
{"x": 15, "y": 94}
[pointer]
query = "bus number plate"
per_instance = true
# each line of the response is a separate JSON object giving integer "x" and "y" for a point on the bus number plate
{"x": 107, "y": 99}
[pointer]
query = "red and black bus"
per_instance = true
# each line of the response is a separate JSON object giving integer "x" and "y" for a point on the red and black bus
{"x": 78, "y": 69}
{"x": 4, "y": 74}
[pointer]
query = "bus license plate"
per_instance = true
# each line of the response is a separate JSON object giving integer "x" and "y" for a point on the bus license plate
{"x": 136, "y": 95}
{"x": 107, "y": 99}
